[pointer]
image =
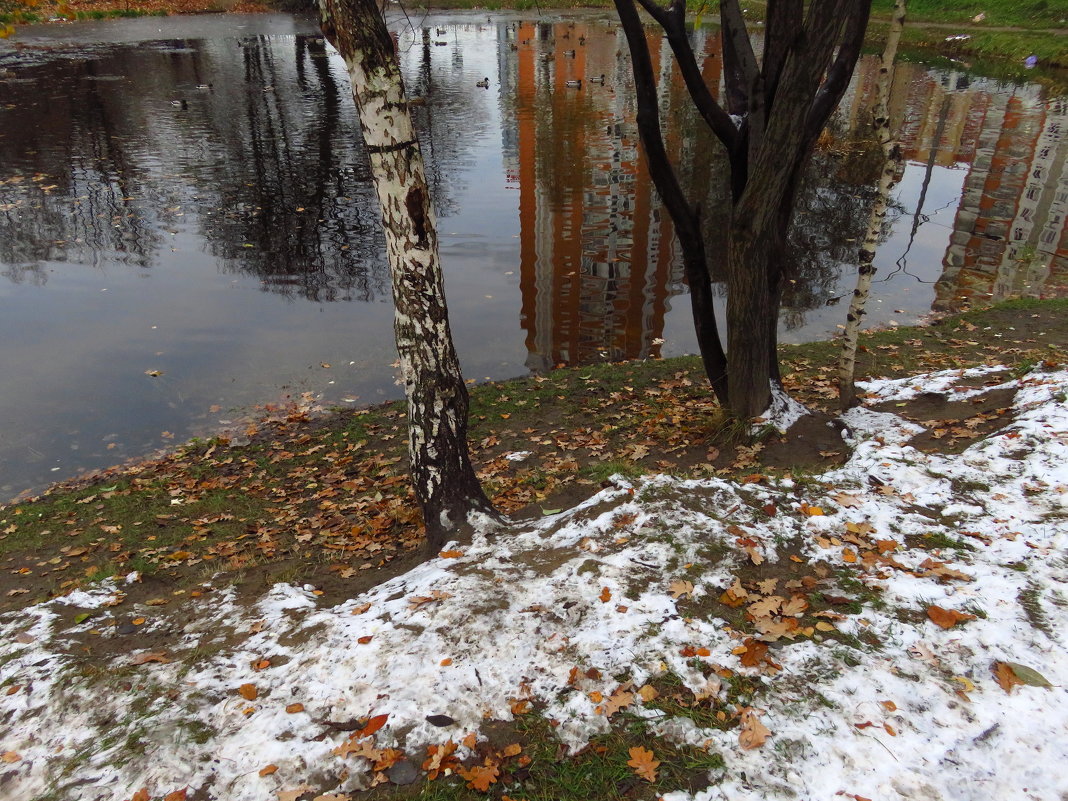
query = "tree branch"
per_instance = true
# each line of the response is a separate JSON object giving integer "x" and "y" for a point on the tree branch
{"x": 841, "y": 70}
{"x": 783, "y": 24}
{"x": 684, "y": 217}
{"x": 673, "y": 21}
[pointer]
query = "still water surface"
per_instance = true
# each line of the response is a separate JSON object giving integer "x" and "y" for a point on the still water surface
{"x": 187, "y": 228}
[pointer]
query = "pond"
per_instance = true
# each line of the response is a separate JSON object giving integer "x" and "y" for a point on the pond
{"x": 187, "y": 228}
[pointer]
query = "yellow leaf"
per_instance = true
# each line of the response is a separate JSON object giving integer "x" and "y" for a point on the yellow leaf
{"x": 643, "y": 763}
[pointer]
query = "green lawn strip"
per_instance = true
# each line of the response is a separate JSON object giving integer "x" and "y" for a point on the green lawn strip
{"x": 996, "y": 13}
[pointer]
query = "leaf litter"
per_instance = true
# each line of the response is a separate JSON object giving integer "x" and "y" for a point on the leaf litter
{"x": 835, "y": 662}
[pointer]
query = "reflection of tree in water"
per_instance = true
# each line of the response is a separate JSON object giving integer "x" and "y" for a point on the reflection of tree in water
{"x": 829, "y": 221}
{"x": 73, "y": 192}
{"x": 292, "y": 177}
{"x": 292, "y": 203}
{"x": 267, "y": 159}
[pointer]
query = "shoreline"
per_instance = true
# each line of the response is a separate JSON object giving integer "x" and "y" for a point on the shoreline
{"x": 326, "y": 496}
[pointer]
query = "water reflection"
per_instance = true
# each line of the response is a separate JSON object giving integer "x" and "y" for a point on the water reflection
{"x": 213, "y": 185}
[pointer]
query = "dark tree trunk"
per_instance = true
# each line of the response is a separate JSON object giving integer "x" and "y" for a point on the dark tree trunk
{"x": 774, "y": 111}
{"x": 444, "y": 479}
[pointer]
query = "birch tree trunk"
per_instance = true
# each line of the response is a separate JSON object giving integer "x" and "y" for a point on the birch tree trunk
{"x": 444, "y": 479}
{"x": 847, "y": 362}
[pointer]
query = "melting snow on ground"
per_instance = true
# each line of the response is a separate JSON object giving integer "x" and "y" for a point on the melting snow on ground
{"x": 870, "y": 700}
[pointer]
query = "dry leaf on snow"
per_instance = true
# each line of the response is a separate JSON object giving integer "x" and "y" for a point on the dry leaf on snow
{"x": 294, "y": 794}
{"x": 947, "y": 618}
{"x": 1010, "y": 674}
{"x": 752, "y": 733}
{"x": 680, "y": 587}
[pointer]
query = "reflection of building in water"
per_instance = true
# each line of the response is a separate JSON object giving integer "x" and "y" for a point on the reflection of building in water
{"x": 597, "y": 255}
{"x": 1010, "y": 235}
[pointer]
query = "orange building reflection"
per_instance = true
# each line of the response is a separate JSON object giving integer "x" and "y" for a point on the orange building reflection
{"x": 598, "y": 262}
{"x": 1010, "y": 232}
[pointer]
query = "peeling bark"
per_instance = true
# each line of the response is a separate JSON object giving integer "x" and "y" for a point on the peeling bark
{"x": 444, "y": 479}
{"x": 847, "y": 361}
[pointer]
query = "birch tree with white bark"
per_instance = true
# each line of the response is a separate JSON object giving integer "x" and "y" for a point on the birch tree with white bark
{"x": 847, "y": 361}
{"x": 445, "y": 483}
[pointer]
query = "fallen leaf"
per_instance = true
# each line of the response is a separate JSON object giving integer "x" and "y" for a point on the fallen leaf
{"x": 1009, "y": 674}
{"x": 617, "y": 701}
{"x": 752, "y": 733}
{"x": 248, "y": 692}
{"x": 372, "y": 725}
{"x": 512, "y": 750}
{"x": 480, "y": 777}
{"x": 648, "y": 692}
{"x": 293, "y": 709}
{"x": 735, "y": 595}
{"x": 333, "y": 797}
{"x": 268, "y": 770}
{"x": 10, "y": 757}
{"x": 451, "y": 554}
{"x": 150, "y": 656}
{"x": 680, "y": 587}
{"x": 947, "y": 618}
{"x": 440, "y": 720}
{"x": 755, "y": 651}
{"x": 847, "y": 501}
{"x": 177, "y": 795}
{"x": 643, "y": 763}
{"x": 289, "y": 795}
{"x": 605, "y": 596}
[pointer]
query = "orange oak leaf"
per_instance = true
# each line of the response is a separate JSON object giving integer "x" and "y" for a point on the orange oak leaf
{"x": 141, "y": 795}
{"x": 481, "y": 777}
{"x": 643, "y": 763}
{"x": 267, "y": 770}
{"x": 1006, "y": 677}
{"x": 10, "y": 757}
{"x": 947, "y": 618}
{"x": 248, "y": 692}
{"x": 512, "y": 750}
{"x": 177, "y": 795}
{"x": 606, "y": 595}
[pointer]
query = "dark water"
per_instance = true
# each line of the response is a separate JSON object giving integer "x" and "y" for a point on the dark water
{"x": 188, "y": 197}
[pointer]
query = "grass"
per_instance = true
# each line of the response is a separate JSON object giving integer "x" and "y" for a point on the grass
{"x": 330, "y": 495}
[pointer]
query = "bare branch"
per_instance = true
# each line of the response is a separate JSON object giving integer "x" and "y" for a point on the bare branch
{"x": 673, "y": 21}
{"x": 841, "y": 71}
{"x": 734, "y": 30}
{"x": 683, "y": 215}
